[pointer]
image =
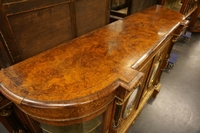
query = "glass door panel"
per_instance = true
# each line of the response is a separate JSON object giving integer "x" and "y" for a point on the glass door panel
{"x": 91, "y": 126}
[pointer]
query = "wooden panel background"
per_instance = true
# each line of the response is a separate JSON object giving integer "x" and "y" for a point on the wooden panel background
{"x": 138, "y": 5}
{"x": 5, "y": 59}
{"x": 39, "y": 30}
{"x": 38, "y": 25}
{"x": 91, "y": 14}
{"x": 18, "y": 6}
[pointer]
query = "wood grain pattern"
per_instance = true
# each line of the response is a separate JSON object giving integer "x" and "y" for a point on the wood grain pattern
{"x": 88, "y": 68}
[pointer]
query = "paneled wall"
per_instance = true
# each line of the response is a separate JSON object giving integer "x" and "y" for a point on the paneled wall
{"x": 30, "y": 27}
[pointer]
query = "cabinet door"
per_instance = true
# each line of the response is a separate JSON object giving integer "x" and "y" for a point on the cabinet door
{"x": 160, "y": 62}
{"x": 91, "y": 126}
{"x": 132, "y": 102}
{"x": 156, "y": 67}
{"x": 126, "y": 107}
{"x": 98, "y": 124}
{"x": 146, "y": 70}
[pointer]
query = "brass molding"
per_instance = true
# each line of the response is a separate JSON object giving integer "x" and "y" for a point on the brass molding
{"x": 181, "y": 30}
{"x": 157, "y": 86}
{"x": 116, "y": 125}
{"x": 155, "y": 68}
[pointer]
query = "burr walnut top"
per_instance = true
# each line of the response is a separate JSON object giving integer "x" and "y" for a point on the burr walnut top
{"x": 91, "y": 66}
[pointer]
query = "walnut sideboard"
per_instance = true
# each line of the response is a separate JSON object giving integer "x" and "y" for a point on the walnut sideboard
{"x": 98, "y": 82}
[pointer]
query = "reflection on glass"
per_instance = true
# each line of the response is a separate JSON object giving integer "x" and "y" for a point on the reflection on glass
{"x": 92, "y": 126}
{"x": 131, "y": 102}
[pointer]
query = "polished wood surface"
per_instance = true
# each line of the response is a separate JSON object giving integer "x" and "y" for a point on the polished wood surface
{"x": 81, "y": 77}
{"x": 91, "y": 62}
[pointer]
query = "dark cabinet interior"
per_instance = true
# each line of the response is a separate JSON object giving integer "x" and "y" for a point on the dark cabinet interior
{"x": 123, "y": 8}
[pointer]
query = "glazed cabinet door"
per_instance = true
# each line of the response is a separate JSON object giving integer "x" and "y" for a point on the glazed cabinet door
{"x": 152, "y": 68}
{"x": 98, "y": 124}
{"x": 160, "y": 62}
{"x": 126, "y": 108}
{"x": 146, "y": 70}
{"x": 92, "y": 126}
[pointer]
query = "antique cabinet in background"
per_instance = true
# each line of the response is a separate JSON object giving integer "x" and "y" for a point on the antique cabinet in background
{"x": 118, "y": 4}
{"x": 190, "y": 8}
{"x": 123, "y": 8}
{"x": 138, "y": 5}
{"x": 195, "y": 21}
